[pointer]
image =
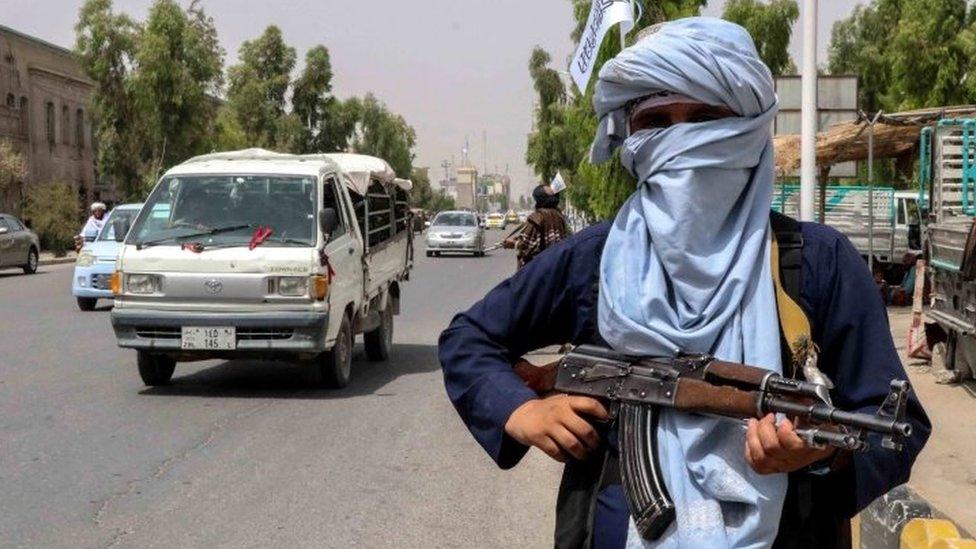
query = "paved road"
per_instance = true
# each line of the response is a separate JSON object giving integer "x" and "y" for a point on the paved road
{"x": 245, "y": 454}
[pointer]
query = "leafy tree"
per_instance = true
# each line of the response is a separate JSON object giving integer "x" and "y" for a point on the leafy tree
{"x": 228, "y": 134}
{"x": 257, "y": 88}
{"x": 106, "y": 45}
{"x": 381, "y": 133}
{"x": 929, "y": 61}
{"x": 13, "y": 165}
{"x": 179, "y": 73}
{"x": 327, "y": 125}
{"x": 907, "y": 54}
{"x": 770, "y": 25}
{"x": 54, "y": 211}
{"x": 425, "y": 196}
{"x": 550, "y": 145}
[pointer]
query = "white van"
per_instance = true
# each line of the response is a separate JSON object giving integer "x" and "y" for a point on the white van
{"x": 260, "y": 254}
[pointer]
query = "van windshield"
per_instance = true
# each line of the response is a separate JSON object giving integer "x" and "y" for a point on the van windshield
{"x": 226, "y": 210}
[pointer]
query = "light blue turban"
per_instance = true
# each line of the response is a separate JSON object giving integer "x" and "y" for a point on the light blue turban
{"x": 686, "y": 264}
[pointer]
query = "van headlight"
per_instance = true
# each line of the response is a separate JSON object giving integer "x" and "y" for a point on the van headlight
{"x": 85, "y": 259}
{"x": 292, "y": 286}
{"x": 142, "y": 283}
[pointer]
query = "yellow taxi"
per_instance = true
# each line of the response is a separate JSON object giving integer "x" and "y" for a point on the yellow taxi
{"x": 495, "y": 221}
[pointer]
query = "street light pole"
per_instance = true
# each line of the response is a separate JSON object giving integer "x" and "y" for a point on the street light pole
{"x": 871, "y": 191}
{"x": 808, "y": 112}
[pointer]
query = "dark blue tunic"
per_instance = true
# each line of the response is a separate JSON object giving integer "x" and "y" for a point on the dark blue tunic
{"x": 553, "y": 301}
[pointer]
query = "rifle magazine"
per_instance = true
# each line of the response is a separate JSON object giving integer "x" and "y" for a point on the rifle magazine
{"x": 648, "y": 498}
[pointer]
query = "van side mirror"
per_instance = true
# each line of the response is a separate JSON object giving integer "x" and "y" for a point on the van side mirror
{"x": 328, "y": 220}
{"x": 121, "y": 228}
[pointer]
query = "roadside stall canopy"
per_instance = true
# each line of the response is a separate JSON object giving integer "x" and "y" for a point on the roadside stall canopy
{"x": 895, "y": 136}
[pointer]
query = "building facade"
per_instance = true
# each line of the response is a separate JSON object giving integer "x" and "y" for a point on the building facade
{"x": 467, "y": 178}
{"x": 44, "y": 98}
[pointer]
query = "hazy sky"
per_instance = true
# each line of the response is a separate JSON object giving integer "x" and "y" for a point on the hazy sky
{"x": 452, "y": 68}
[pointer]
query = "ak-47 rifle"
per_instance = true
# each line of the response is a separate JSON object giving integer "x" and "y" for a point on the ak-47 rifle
{"x": 637, "y": 387}
{"x": 501, "y": 243}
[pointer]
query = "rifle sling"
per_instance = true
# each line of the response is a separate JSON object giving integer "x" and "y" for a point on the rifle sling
{"x": 786, "y": 265}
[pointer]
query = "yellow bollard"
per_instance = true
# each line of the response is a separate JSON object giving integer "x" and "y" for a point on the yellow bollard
{"x": 933, "y": 534}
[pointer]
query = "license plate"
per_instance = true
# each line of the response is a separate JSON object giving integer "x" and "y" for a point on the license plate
{"x": 216, "y": 338}
{"x": 451, "y": 245}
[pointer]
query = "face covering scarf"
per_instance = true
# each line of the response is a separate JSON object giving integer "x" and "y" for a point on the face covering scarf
{"x": 686, "y": 267}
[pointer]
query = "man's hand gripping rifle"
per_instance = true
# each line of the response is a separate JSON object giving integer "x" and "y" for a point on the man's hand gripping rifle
{"x": 636, "y": 387}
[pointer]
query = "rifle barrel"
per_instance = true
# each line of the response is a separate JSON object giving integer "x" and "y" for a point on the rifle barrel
{"x": 829, "y": 414}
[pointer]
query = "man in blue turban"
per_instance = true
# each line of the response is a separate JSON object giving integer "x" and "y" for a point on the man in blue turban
{"x": 686, "y": 268}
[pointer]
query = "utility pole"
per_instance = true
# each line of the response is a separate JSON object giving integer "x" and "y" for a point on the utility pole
{"x": 484, "y": 163}
{"x": 447, "y": 174}
{"x": 808, "y": 112}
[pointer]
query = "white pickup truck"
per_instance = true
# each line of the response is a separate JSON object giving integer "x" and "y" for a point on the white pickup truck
{"x": 259, "y": 254}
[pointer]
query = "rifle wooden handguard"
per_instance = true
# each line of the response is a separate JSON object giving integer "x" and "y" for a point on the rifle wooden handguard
{"x": 694, "y": 395}
{"x": 738, "y": 374}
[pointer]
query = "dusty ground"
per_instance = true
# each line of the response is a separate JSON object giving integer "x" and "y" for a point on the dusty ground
{"x": 945, "y": 473}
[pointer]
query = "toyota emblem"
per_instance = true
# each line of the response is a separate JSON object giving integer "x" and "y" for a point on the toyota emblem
{"x": 214, "y": 286}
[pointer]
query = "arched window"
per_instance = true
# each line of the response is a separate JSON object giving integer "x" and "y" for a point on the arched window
{"x": 65, "y": 125}
{"x": 49, "y": 122}
{"x": 11, "y": 100}
{"x": 80, "y": 128}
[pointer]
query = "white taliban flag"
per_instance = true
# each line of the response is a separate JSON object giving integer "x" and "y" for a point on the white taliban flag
{"x": 558, "y": 185}
{"x": 603, "y": 15}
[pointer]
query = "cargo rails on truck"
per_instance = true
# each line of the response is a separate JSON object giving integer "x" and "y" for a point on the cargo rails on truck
{"x": 264, "y": 255}
{"x": 892, "y": 232}
{"x": 947, "y": 171}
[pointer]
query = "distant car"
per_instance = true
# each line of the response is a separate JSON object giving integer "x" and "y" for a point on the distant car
{"x": 511, "y": 217}
{"x": 496, "y": 221}
{"x": 455, "y": 232}
{"x": 19, "y": 246}
{"x": 96, "y": 261}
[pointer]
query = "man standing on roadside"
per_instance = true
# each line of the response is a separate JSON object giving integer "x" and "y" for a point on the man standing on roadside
{"x": 686, "y": 268}
{"x": 93, "y": 225}
{"x": 543, "y": 228}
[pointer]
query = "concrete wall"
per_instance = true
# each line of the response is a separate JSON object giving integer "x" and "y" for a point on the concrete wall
{"x": 44, "y": 112}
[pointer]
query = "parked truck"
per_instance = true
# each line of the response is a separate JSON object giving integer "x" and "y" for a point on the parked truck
{"x": 258, "y": 254}
{"x": 893, "y": 231}
{"x": 947, "y": 170}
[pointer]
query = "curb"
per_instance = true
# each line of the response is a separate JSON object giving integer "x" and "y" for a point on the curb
{"x": 55, "y": 261}
{"x": 885, "y": 523}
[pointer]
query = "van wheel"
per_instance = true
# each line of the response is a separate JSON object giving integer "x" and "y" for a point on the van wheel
{"x": 87, "y": 303}
{"x": 155, "y": 369}
{"x": 31, "y": 266}
{"x": 335, "y": 365}
{"x": 378, "y": 342}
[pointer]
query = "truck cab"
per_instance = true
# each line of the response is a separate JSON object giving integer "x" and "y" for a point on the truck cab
{"x": 263, "y": 255}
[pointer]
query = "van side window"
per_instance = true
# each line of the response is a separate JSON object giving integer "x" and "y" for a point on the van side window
{"x": 380, "y": 208}
{"x": 901, "y": 211}
{"x": 401, "y": 208}
{"x": 330, "y": 199}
